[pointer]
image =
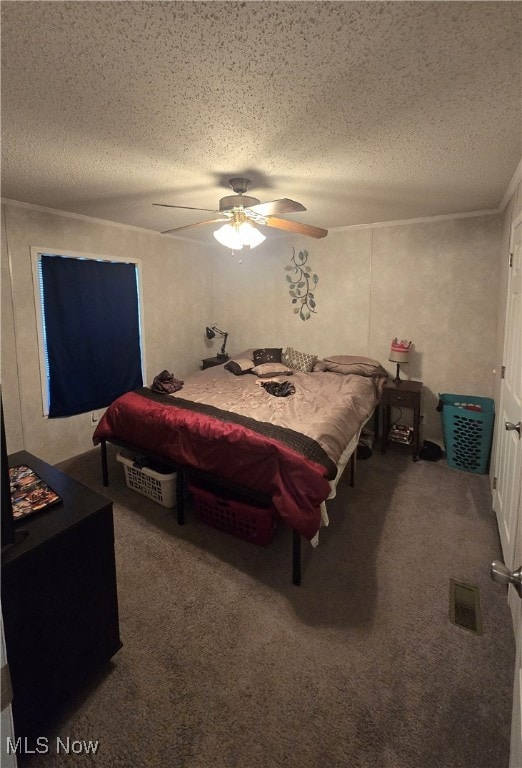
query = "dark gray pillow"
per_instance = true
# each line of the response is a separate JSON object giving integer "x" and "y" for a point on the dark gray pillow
{"x": 267, "y": 355}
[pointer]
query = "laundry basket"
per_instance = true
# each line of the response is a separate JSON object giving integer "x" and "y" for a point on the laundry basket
{"x": 467, "y": 426}
{"x": 247, "y": 518}
{"x": 158, "y": 486}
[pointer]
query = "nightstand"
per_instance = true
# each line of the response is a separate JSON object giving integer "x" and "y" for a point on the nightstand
{"x": 209, "y": 362}
{"x": 402, "y": 394}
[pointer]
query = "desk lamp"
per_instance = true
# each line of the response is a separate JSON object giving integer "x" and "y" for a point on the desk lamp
{"x": 211, "y": 332}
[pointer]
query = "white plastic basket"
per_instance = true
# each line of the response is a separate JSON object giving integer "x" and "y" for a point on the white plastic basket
{"x": 155, "y": 485}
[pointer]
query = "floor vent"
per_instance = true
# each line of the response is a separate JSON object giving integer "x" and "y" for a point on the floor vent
{"x": 465, "y": 607}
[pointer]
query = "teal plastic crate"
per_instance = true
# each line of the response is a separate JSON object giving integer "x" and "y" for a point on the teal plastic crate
{"x": 467, "y": 425}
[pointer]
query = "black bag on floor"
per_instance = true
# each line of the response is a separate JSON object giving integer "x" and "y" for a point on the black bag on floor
{"x": 430, "y": 451}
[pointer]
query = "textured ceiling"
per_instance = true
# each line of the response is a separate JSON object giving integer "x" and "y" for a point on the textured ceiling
{"x": 362, "y": 111}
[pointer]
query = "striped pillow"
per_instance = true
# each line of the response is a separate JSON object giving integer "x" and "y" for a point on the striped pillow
{"x": 240, "y": 366}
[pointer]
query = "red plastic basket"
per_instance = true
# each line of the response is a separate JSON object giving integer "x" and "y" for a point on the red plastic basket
{"x": 240, "y": 518}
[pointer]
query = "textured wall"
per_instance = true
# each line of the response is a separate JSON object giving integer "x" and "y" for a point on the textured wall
{"x": 251, "y": 298}
{"x": 434, "y": 283}
{"x": 176, "y": 301}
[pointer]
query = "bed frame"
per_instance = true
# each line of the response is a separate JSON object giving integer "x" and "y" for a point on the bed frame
{"x": 184, "y": 472}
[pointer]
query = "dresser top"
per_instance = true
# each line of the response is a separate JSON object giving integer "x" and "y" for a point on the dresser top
{"x": 78, "y": 503}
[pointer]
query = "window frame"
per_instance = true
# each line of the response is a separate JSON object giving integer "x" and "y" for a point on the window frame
{"x": 36, "y": 254}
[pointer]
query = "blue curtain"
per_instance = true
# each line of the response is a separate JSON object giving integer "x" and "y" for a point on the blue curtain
{"x": 91, "y": 317}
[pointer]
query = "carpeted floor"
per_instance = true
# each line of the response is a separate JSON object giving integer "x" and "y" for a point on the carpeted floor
{"x": 225, "y": 664}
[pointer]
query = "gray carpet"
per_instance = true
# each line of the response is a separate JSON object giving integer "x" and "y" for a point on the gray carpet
{"x": 226, "y": 664}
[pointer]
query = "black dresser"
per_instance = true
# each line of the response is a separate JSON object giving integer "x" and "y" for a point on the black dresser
{"x": 59, "y": 599}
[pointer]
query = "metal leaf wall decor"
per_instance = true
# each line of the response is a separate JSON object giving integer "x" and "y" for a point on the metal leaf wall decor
{"x": 301, "y": 285}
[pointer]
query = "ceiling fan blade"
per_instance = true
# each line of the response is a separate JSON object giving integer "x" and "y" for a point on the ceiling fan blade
{"x": 186, "y": 207}
{"x": 276, "y": 206}
{"x": 197, "y": 224}
{"x": 295, "y": 226}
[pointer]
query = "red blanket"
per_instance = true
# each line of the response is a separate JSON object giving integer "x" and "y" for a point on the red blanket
{"x": 232, "y": 451}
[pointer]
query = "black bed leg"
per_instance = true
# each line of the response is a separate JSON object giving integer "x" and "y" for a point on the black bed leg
{"x": 105, "y": 470}
{"x": 180, "y": 497}
{"x": 296, "y": 558}
{"x": 352, "y": 464}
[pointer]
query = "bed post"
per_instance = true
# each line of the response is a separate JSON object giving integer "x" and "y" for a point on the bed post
{"x": 296, "y": 558}
{"x": 105, "y": 471}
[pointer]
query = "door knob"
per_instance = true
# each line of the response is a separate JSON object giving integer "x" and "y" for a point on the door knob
{"x": 503, "y": 575}
{"x": 510, "y": 427}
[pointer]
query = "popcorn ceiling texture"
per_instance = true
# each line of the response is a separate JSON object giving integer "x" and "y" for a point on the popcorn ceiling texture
{"x": 362, "y": 111}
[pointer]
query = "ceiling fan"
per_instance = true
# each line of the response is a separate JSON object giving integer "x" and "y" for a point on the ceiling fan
{"x": 240, "y": 214}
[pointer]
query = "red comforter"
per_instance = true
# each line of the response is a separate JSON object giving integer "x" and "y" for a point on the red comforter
{"x": 233, "y": 451}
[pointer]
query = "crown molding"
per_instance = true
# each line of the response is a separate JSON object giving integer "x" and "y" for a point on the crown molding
{"x": 420, "y": 220}
{"x": 93, "y": 220}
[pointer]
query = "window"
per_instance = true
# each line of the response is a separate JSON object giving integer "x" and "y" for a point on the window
{"x": 89, "y": 324}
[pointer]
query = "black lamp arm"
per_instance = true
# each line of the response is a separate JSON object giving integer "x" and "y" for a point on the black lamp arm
{"x": 210, "y": 335}
{"x": 223, "y": 353}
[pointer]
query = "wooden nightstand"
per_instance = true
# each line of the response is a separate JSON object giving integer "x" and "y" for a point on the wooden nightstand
{"x": 209, "y": 362}
{"x": 402, "y": 394}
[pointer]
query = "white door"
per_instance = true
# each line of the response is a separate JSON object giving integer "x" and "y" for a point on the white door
{"x": 507, "y": 498}
{"x": 508, "y": 447}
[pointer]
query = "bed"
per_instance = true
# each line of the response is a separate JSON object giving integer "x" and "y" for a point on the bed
{"x": 225, "y": 424}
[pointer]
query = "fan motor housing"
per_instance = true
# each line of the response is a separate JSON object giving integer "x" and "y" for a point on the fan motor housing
{"x": 237, "y": 201}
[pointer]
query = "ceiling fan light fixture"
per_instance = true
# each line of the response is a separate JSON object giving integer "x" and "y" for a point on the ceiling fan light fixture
{"x": 237, "y": 235}
{"x": 228, "y": 236}
{"x": 249, "y": 235}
